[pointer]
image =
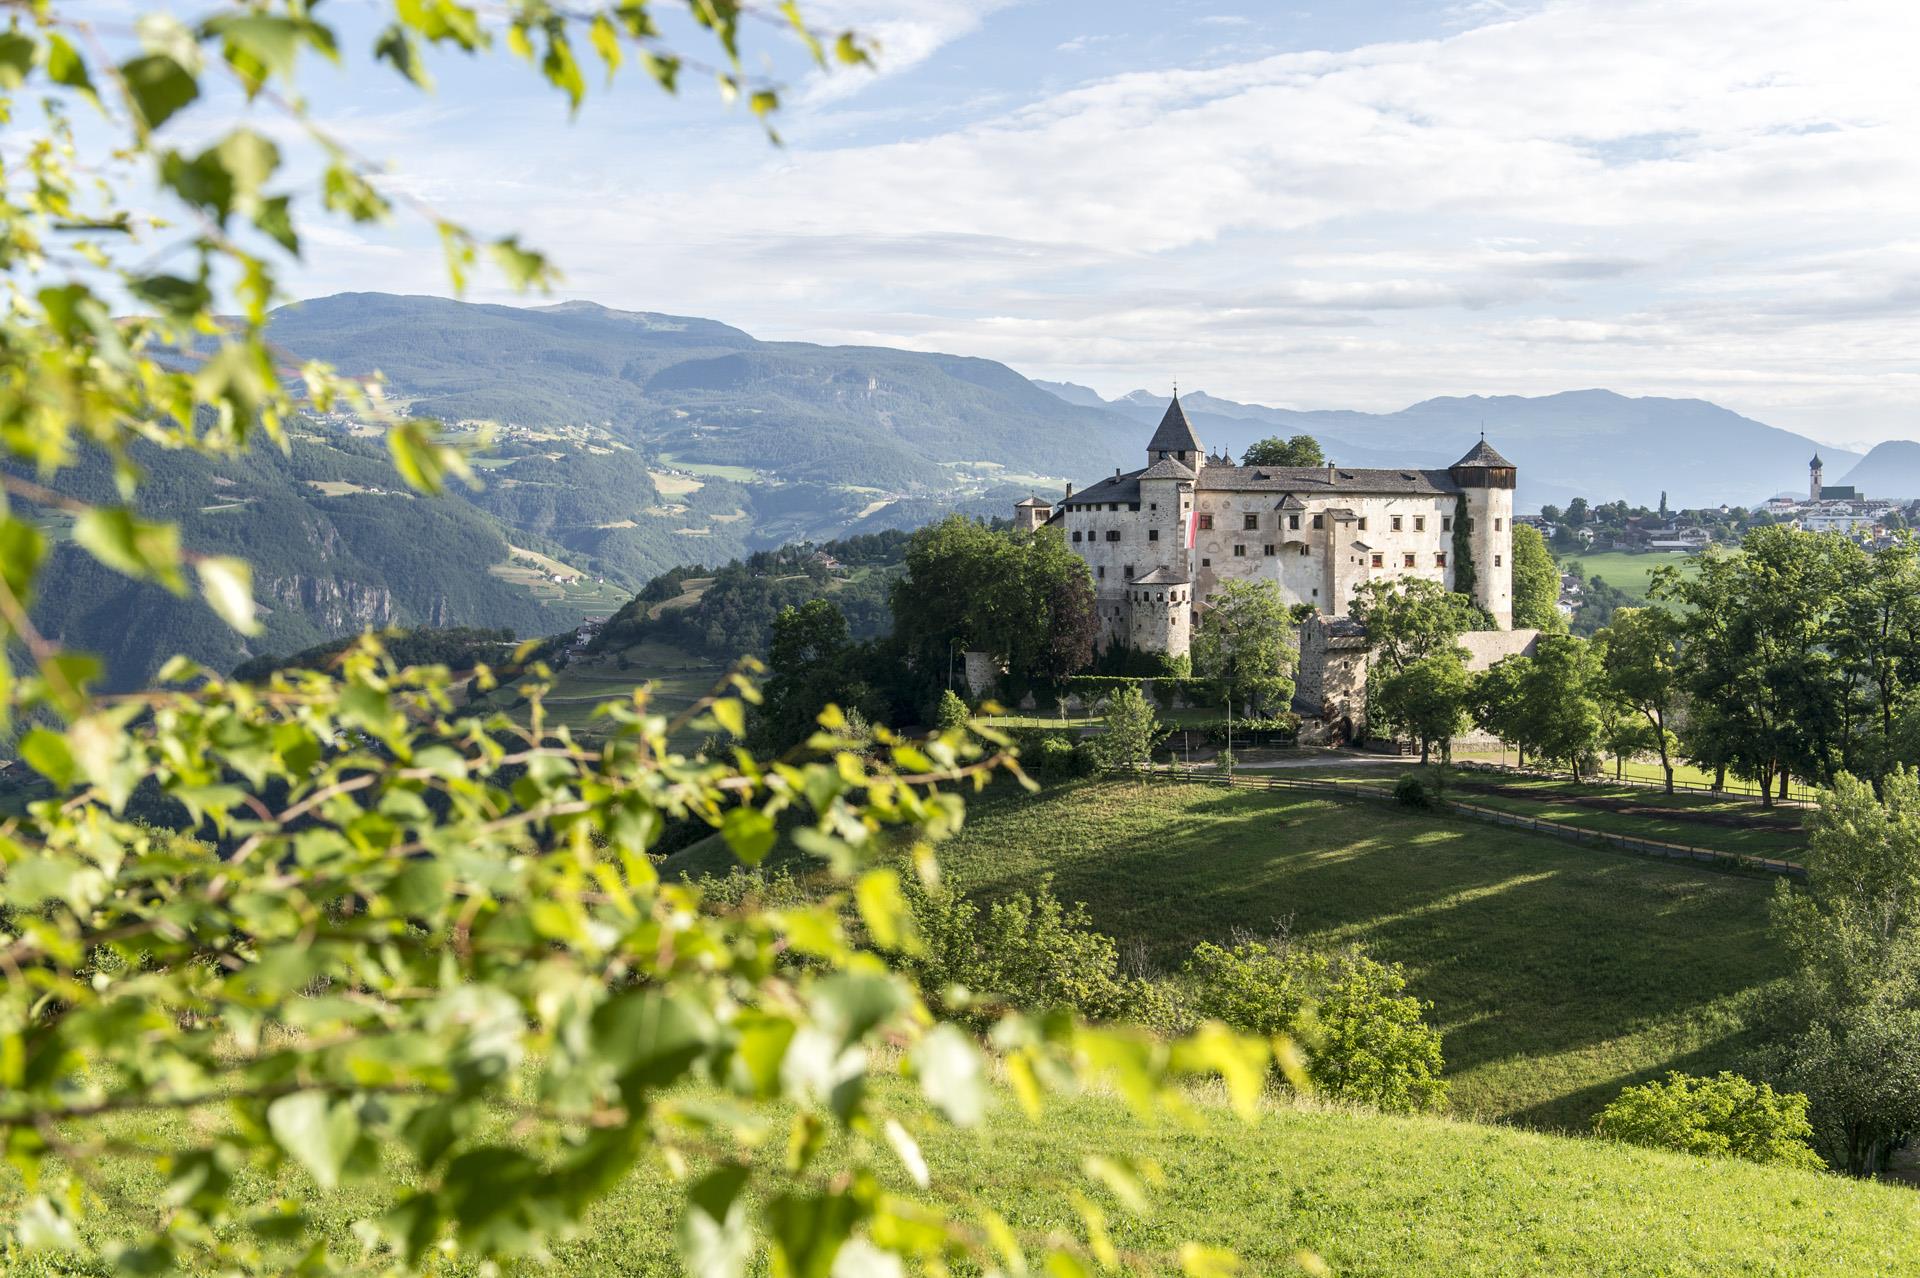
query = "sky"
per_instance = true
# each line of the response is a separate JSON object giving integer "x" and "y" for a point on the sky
{"x": 1340, "y": 205}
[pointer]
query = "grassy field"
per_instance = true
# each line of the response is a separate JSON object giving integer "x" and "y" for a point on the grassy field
{"x": 1558, "y": 973}
{"x": 739, "y": 474}
{"x": 1373, "y": 1197}
{"x": 677, "y": 679}
{"x": 1695, "y": 820}
{"x": 1626, "y": 571}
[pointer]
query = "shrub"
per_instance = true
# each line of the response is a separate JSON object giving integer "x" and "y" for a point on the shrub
{"x": 1031, "y": 951}
{"x": 1411, "y": 792}
{"x": 1365, "y": 1037}
{"x": 952, "y": 712}
{"x": 1726, "y": 1115}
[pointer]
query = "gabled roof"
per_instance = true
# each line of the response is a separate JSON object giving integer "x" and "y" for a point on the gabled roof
{"x": 1030, "y": 503}
{"x": 1290, "y": 502}
{"x": 1167, "y": 468}
{"x": 1318, "y": 481}
{"x": 1175, "y": 432}
{"x": 1163, "y": 577}
{"x": 1484, "y": 454}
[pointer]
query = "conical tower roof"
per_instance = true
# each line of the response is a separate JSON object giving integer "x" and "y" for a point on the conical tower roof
{"x": 1175, "y": 432}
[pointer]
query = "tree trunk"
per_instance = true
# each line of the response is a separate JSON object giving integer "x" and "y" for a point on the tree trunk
{"x": 1619, "y": 767}
{"x": 1766, "y": 786}
{"x": 1423, "y": 752}
{"x": 1720, "y": 777}
{"x": 1783, "y": 783}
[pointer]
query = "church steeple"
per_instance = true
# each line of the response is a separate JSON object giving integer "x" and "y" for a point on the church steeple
{"x": 1814, "y": 468}
{"x": 1174, "y": 439}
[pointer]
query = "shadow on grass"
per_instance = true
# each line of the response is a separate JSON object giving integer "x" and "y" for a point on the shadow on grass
{"x": 1527, "y": 947}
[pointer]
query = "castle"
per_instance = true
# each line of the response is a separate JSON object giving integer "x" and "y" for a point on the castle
{"x": 1162, "y": 539}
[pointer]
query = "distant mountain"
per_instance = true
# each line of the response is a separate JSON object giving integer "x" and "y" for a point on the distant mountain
{"x": 1592, "y": 443}
{"x": 1073, "y": 393}
{"x": 1891, "y": 469}
{"x": 703, "y": 392}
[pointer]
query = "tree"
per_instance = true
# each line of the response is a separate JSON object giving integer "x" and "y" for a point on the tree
{"x": 1426, "y": 700}
{"x": 1369, "y": 1041}
{"x": 1132, "y": 730}
{"x": 1024, "y": 598}
{"x": 812, "y": 664}
{"x": 1245, "y": 644}
{"x": 416, "y": 952}
{"x": 1726, "y": 1115}
{"x": 953, "y": 712}
{"x": 1849, "y": 1032}
{"x": 1546, "y": 704}
{"x": 1301, "y": 450}
{"x": 1640, "y": 654}
{"x": 1409, "y": 618}
{"x": 1536, "y": 582}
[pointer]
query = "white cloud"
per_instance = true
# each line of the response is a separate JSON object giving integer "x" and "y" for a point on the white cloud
{"x": 906, "y": 32}
{"x": 1713, "y": 197}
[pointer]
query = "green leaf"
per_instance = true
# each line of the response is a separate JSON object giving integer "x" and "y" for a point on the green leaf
{"x": 66, "y": 66}
{"x": 146, "y": 551}
{"x": 750, "y": 833}
{"x": 258, "y": 45}
{"x": 883, "y": 908}
{"x": 397, "y": 47}
{"x": 183, "y": 299}
{"x": 227, "y": 584}
{"x": 47, "y": 753}
{"x": 808, "y": 1232}
{"x": 318, "y": 1132}
{"x": 16, "y": 59}
{"x": 159, "y": 87}
{"x": 731, "y": 715}
{"x": 850, "y": 1005}
{"x": 21, "y": 549}
{"x": 420, "y": 460}
{"x": 713, "y": 1237}
{"x": 951, "y": 1075}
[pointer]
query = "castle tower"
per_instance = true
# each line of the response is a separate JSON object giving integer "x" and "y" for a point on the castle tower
{"x": 1174, "y": 439}
{"x": 1814, "y": 468}
{"x": 1031, "y": 513}
{"x": 1160, "y": 616}
{"x": 1487, "y": 479}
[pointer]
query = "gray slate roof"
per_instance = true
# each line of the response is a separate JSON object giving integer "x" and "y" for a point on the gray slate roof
{"x": 1029, "y": 503}
{"x": 1484, "y": 454}
{"x": 1163, "y": 577}
{"x": 1313, "y": 481}
{"x": 1168, "y": 469}
{"x": 1175, "y": 432}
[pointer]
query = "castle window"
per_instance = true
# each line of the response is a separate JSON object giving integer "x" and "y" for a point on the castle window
{"x": 1239, "y": 552}
{"x": 1206, "y": 520}
{"x": 1129, "y": 575}
{"x": 1304, "y": 551}
{"x": 1101, "y": 572}
{"x": 1293, "y": 522}
{"x": 1496, "y": 561}
{"x": 1407, "y": 560}
{"x": 1363, "y": 523}
{"x": 1497, "y": 523}
{"x": 1251, "y": 521}
{"x": 1440, "y": 559}
{"x": 1269, "y": 550}
{"x": 1446, "y": 523}
{"x": 1206, "y": 563}
{"x": 1113, "y": 505}
{"x": 1152, "y": 505}
{"x": 1153, "y": 534}
{"x": 1113, "y": 534}
{"x": 1469, "y": 523}
{"x": 1379, "y": 561}
{"x": 1396, "y": 523}
{"x": 1160, "y": 598}
{"x": 1419, "y": 523}
{"x": 1133, "y": 506}
{"x": 1076, "y": 534}
{"x": 1319, "y": 521}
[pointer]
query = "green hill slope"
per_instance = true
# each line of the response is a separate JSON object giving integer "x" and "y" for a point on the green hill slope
{"x": 1558, "y": 974}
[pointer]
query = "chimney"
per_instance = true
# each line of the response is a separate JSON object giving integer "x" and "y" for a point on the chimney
{"x": 1116, "y": 472}
{"x": 1069, "y": 491}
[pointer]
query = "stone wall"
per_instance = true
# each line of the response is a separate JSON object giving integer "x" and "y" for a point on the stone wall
{"x": 1330, "y": 691}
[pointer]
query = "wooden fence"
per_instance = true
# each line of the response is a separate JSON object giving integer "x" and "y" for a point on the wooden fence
{"x": 1494, "y": 816}
{"x": 1798, "y": 796}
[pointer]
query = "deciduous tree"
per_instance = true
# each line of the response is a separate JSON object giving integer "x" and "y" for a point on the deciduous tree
{"x": 1536, "y": 582}
{"x": 1301, "y": 450}
{"x": 1245, "y": 644}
